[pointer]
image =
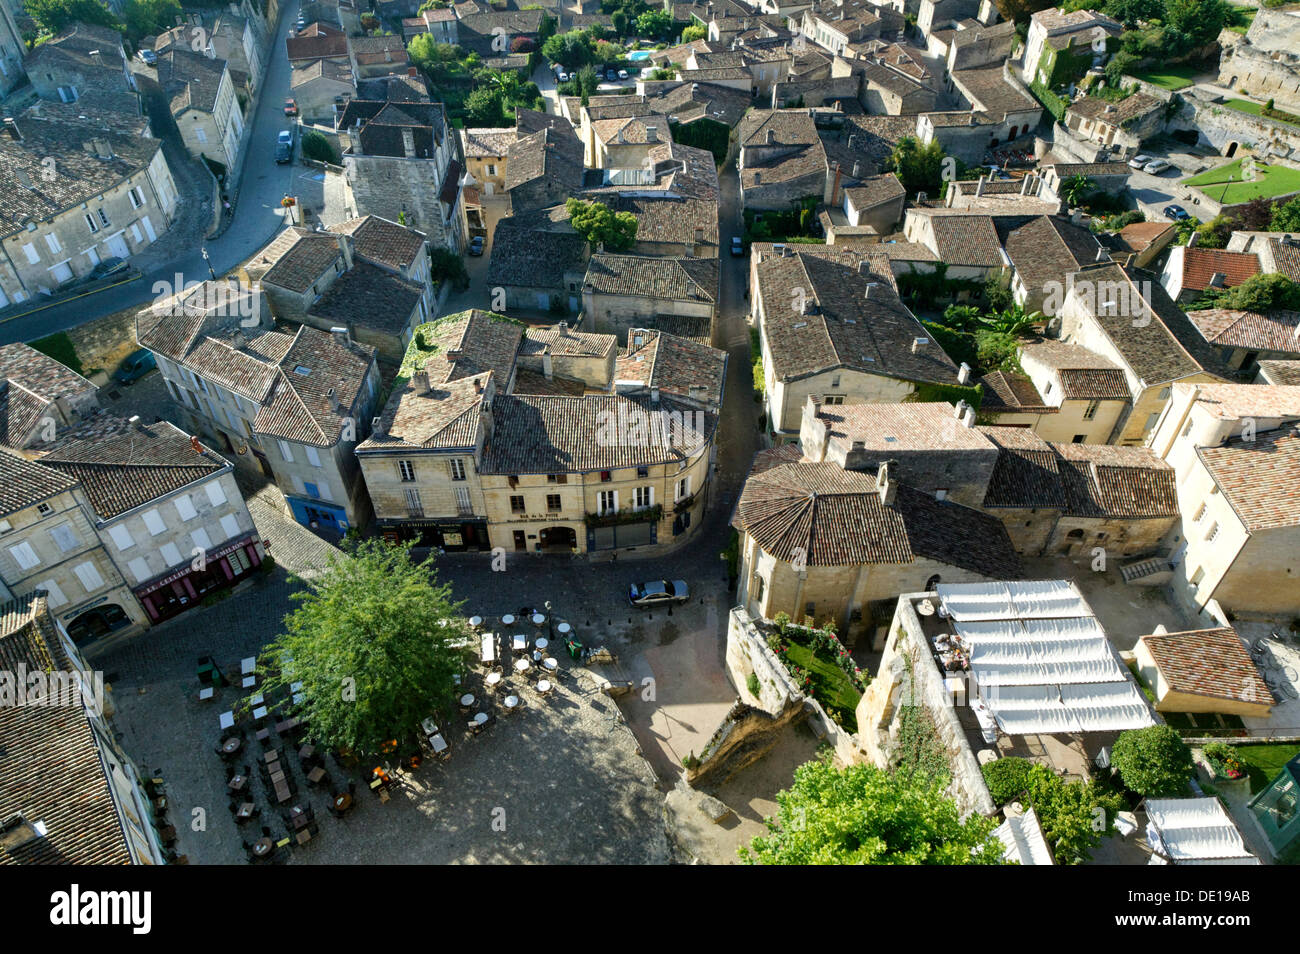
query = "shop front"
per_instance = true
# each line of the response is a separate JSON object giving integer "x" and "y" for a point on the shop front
{"x": 186, "y": 586}
{"x": 448, "y": 535}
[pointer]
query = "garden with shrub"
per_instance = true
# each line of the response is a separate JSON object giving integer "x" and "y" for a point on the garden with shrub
{"x": 821, "y": 667}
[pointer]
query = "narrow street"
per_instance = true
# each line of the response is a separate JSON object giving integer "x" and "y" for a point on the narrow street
{"x": 257, "y": 214}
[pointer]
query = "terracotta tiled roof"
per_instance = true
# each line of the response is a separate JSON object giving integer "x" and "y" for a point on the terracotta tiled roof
{"x": 52, "y": 767}
{"x": 1048, "y": 247}
{"x": 313, "y": 408}
{"x": 1102, "y": 480}
{"x": 532, "y": 256}
{"x": 487, "y": 143}
{"x": 317, "y": 40}
{"x": 447, "y": 416}
{"x": 1259, "y": 478}
{"x": 566, "y": 341}
{"x": 1208, "y": 662}
{"x": 121, "y": 466}
{"x": 676, "y": 366}
{"x": 836, "y": 518}
{"x": 666, "y": 279}
{"x": 875, "y": 190}
{"x": 1138, "y": 236}
{"x": 1027, "y": 473}
{"x": 1093, "y": 384}
{"x": 910, "y": 426}
{"x": 24, "y": 483}
{"x": 1277, "y": 332}
{"x": 1129, "y": 108}
{"x": 466, "y": 344}
{"x": 383, "y": 242}
{"x": 1009, "y": 392}
{"x": 366, "y": 296}
{"x": 552, "y": 152}
{"x": 296, "y": 258}
{"x": 967, "y": 240}
{"x": 1281, "y": 372}
{"x": 1202, "y": 264}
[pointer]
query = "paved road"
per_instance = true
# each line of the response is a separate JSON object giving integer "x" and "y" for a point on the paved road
{"x": 257, "y": 217}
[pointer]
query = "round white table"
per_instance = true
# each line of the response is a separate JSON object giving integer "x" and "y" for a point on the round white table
{"x": 550, "y": 664}
{"x": 493, "y": 678}
{"x": 512, "y": 701}
{"x": 538, "y": 619}
{"x": 479, "y": 718}
{"x": 541, "y": 642}
{"x": 521, "y": 665}
{"x": 507, "y": 620}
{"x": 543, "y": 686}
{"x": 467, "y": 699}
{"x": 476, "y": 621}
{"x": 563, "y": 628}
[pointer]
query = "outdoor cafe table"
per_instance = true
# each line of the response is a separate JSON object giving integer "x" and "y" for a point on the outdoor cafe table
{"x": 282, "y": 793}
{"x": 476, "y": 621}
{"x": 342, "y": 801}
{"x": 512, "y": 701}
{"x": 519, "y": 643}
{"x": 245, "y": 810}
{"x": 227, "y": 720}
{"x": 541, "y": 642}
{"x": 231, "y": 745}
{"x": 467, "y": 699}
{"x": 259, "y": 712}
{"x": 439, "y": 743}
{"x": 307, "y": 751}
{"x": 487, "y": 649}
{"x": 563, "y": 629}
{"x": 249, "y": 682}
{"x": 538, "y": 656}
{"x": 521, "y": 665}
{"x": 550, "y": 664}
{"x": 543, "y": 686}
{"x": 257, "y": 700}
{"x": 430, "y": 727}
{"x": 315, "y": 775}
{"x": 298, "y": 818}
{"x": 493, "y": 678}
{"x": 538, "y": 619}
{"x": 237, "y": 782}
{"x": 262, "y": 847}
{"x": 272, "y": 756}
{"x": 479, "y": 718}
{"x": 507, "y": 620}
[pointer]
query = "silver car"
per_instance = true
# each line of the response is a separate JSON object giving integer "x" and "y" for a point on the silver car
{"x": 658, "y": 593}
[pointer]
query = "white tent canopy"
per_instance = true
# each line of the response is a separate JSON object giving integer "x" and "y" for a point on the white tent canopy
{"x": 1023, "y": 839}
{"x": 1031, "y": 599}
{"x": 1195, "y": 831}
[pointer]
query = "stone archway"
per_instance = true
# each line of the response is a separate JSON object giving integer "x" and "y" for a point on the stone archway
{"x": 558, "y": 539}
{"x": 1231, "y": 149}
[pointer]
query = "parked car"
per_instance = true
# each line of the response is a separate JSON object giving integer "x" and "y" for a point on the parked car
{"x": 107, "y": 267}
{"x": 476, "y": 245}
{"x": 136, "y": 366}
{"x": 147, "y": 57}
{"x": 1157, "y": 166}
{"x": 611, "y": 75}
{"x": 658, "y": 593}
{"x": 291, "y": 107}
{"x": 1176, "y": 212}
{"x": 737, "y": 246}
{"x": 622, "y": 74}
{"x": 1140, "y": 160}
{"x": 284, "y": 147}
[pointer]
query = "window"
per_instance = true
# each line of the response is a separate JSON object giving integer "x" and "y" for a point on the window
{"x": 413, "y": 505}
{"x": 1200, "y": 514}
{"x": 607, "y": 501}
{"x": 1079, "y": 439}
{"x": 137, "y": 197}
{"x": 52, "y": 241}
{"x": 33, "y": 256}
{"x": 91, "y": 223}
{"x": 833, "y": 399}
{"x": 462, "y": 500}
{"x": 516, "y": 503}
{"x": 644, "y": 497}
{"x": 121, "y": 537}
{"x": 171, "y": 554}
{"x": 760, "y": 585}
{"x": 103, "y": 218}
{"x": 643, "y": 471}
{"x": 185, "y": 508}
{"x": 201, "y": 539}
{"x": 557, "y": 478}
{"x": 1151, "y": 421}
{"x": 553, "y": 503}
{"x": 491, "y": 169}
{"x": 406, "y": 470}
{"x": 941, "y": 493}
{"x": 230, "y": 525}
{"x": 200, "y": 134}
{"x": 285, "y": 451}
{"x": 1047, "y": 390}
{"x": 683, "y": 488}
{"x": 216, "y": 494}
{"x": 1090, "y": 411}
{"x": 457, "y": 469}
{"x": 89, "y": 576}
{"x": 24, "y": 555}
{"x": 313, "y": 458}
{"x": 605, "y": 477}
{"x": 53, "y": 594}
{"x": 154, "y": 523}
{"x": 1214, "y": 533}
{"x": 1164, "y": 394}
{"x": 835, "y": 381}
{"x": 1198, "y": 576}
{"x": 139, "y": 567}
{"x": 44, "y": 509}
{"x": 64, "y": 538}
{"x": 310, "y": 489}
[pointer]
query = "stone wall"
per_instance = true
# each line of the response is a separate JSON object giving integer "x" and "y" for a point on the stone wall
{"x": 1221, "y": 126}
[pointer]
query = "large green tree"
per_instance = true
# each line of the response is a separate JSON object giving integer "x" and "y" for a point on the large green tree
{"x": 1286, "y": 217}
{"x": 146, "y": 17}
{"x": 53, "y": 15}
{"x": 571, "y": 50}
{"x": 918, "y": 167}
{"x": 865, "y": 815}
{"x": 371, "y": 641}
{"x": 601, "y": 225}
{"x": 1154, "y": 761}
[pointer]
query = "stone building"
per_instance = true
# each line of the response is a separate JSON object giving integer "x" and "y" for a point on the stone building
{"x": 76, "y": 195}
{"x": 544, "y": 165}
{"x": 1246, "y": 338}
{"x": 1041, "y": 252}
{"x": 41, "y": 396}
{"x": 831, "y": 326}
{"x": 402, "y": 162}
{"x": 12, "y": 51}
{"x": 1077, "y": 34}
{"x": 318, "y": 85}
{"x": 485, "y": 152}
{"x": 82, "y": 57}
{"x": 620, "y": 292}
{"x": 820, "y": 542}
{"x": 1265, "y": 63}
{"x": 781, "y": 159}
{"x": 1086, "y": 394}
{"x": 1121, "y": 127}
{"x": 997, "y": 92}
{"x": 377, "y": 55}
{"x": 890, "y": 92}
{"x": 538, "y": 264}
{"x": 1191, "y": 272}
{"x": 1204, "y": 670}
{"x": 201, "y": 96}
{"x": 293, "y": 405}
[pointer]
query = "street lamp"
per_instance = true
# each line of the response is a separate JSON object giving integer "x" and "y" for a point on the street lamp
{"x": 203, "y": 250}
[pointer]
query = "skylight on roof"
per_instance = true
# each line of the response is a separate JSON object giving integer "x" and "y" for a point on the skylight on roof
{"x": 304, "y": 371}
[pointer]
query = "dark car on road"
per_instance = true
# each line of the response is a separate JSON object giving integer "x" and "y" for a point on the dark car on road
{"x": 658, "y": 593}
{"x": 284, "y": 146}
{"x": 136, "y": 366}
{"x": 476, "y": 245}
{"x": 1176, "y": 212}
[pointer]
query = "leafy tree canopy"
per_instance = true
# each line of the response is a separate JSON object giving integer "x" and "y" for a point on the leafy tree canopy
{"x": 694, "y": 32}
{"x": 919, "y": 168}
{"x": 866, "y": 815}
{"x": 371, "y": 641}
{"x": 571, "y": 50}
{"x": 1154, "y": 761}
{"x": 601, "y": 225}
{"x": 52, "y": 16}
{"x": 147, "y": 17}
{"x": 1286, "y": 217}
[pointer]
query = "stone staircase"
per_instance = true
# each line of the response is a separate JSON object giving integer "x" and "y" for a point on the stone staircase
{"x": 1149, "y": 571}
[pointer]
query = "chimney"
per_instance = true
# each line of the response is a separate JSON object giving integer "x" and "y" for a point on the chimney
{"x": 963, "y": 373}
{"x": 771, "y": 137}
{"x": 959, "y": 409}
{"x": 420, "y": 382}
{"x": 562, "y": 329}
{"x": 979, "y": 188}
{"x": 342, "y": 335}
{"x": 918, "y": 344}
{"x": 654, "y": 395}
{"x": 857, "y": 168}
{"x": 478, "y": 385}
{"x": 547, "y": 369}
{"x": 11, "y": 128}
{"x": 968, "y": 419}
{"x": 886, "y": 486}
{"x": 408, "y": 142}
{"x": 412, "y": 71}
{"x": 972, "y": 117}
{"x": 134, "y": 421}
{"x": 871, "y": 287}
{"x": 853, "y": 141}
{"x": 454, "y": 355}
{"x": 1024, "y": 185}
{"x": 652, "y": 134}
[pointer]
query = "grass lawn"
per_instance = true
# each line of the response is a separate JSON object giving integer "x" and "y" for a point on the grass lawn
{"x": 1173, "y": 77}
{"x": 1225, "y": 183}
{"x": 1263, "y": 762}
{"x": 59, "y": 347}
{"x": 1255, "y": 109}
{"x": 1241, "y": 19}
{"x": 831, "y": 687}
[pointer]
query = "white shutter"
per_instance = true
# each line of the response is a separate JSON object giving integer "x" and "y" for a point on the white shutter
{"x": 121, "y": 537}
{"x": 323, "y": 487}
{"x": 201, "y": 539}
{"x": 89, "y": 576}
{"x": 140, "y": 568}
{"x": 64, "y": 538}
{"x": 24, "y": 555}
{"x": 52, "y": 241}
{"x": 154, "y": 522}
{"x": 33, "y": 256}
{"x": 171, "y": 554}
{"x": 313, "y": 458}
{"x": 216, "y": 493}
{"x": 230, "y": 525}
{"x": 285, "y": 451}
{"x": 185, "y": 507}
{"x": 55, "y": 595}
